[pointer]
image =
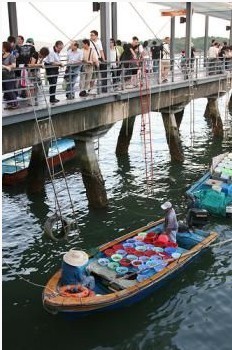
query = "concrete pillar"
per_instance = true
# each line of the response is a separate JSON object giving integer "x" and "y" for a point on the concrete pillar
{"x": 179, "y": 116}
{"x": 125, "y": 136}
{"x": 230, "y": 104}
{"x": 172, "y": 136}
{"x": 91, "y": 174}
{"x": 13, "y": 23}
{"x": 37, "y": 169}
{"x": 213, "y": 115}
{"x": 114, "y": 20}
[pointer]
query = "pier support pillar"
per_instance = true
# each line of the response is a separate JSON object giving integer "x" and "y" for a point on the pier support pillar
{"x": 37, "y": 169}
{"x": 230, "y": 104}
{"x": 213, "y": 115}
{"x": 91, "y": 174}
{"x": 125, "y": 136}
{"x": 172, "y": 136}
{"x": 179, "y": 116}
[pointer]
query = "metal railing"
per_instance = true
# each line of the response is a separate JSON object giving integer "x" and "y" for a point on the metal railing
{"x": 27, "y": 86}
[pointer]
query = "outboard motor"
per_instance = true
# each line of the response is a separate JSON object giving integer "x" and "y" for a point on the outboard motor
{"x": 197, "y": 217}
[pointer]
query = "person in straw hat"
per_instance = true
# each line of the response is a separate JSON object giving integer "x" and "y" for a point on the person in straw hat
{"x": 74, "y": 269}
{"x": 170, "y": 222}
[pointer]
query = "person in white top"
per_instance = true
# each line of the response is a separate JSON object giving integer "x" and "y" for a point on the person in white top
{"x": 213, "y": 55}
{"x": 114, "y": 59}
{"x": 74, "y": 63}
{"x": 96, "y": 45}
{"x": 52, "y": 63}
{"x": 165, "y": 59}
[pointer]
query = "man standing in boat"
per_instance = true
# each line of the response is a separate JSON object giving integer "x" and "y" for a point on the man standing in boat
{"x": 170, "y": 222}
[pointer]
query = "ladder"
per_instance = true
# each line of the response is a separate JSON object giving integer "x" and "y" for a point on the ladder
{"x": 58, "y": 178}
{"x": 145, "y": 102}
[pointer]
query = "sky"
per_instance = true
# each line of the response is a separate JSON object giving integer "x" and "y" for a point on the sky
{"x": 76, "y": 19}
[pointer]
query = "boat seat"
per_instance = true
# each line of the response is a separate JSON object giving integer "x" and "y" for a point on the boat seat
{"x": 117, "y": 283}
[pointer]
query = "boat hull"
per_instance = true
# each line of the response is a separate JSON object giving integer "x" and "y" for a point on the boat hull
{"x": 213, "y": 191}
{"x": 19, "y": 176}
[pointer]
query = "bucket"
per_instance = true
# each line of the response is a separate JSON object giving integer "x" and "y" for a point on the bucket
{"x": 125, "y": 262}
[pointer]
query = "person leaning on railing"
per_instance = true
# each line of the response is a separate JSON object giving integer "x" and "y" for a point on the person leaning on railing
{"x": 74, "y": 63}
{"x": 8, "y": 76}
{"x": 52, "y": 63}
{"x": 34, "y": 66}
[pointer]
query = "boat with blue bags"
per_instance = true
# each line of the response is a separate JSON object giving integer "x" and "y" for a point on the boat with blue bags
{"x": 123, "y": 271}
{"x": 213, "y": 191}
{"x": 15, "y": 165}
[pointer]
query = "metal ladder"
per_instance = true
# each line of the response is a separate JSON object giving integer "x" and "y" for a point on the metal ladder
{"x": 58, "y": 178}
{"x": 145, "y": 101}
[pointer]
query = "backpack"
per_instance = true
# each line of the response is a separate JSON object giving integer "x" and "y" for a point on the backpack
{"x": 155, "y": 52}
{"x": 25, "y": 54}
{"x": 162, "y": 50}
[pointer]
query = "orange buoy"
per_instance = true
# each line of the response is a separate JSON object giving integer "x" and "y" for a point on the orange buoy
{"x": 74, "y": 291}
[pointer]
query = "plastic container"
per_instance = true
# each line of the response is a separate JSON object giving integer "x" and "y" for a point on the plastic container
{"x": 170, "y": 250}
{"x": 176, "y": 255}
{"x": 136, "y": 263}
{"x": 121, "y": 252}
{"x": 116, "y": 257}
{"x": 141, "y": 248}
{"x": 125, "y": 262}
{"x": 143, "y": 234}
{"x": 103, "y": 261}
{"x": 122, "y": 270}
{"x": 109, "y": 252}
{"x": 131, "y": 257}
{"x": 128, "y": 245}
{"x": 144, "y": 258}
{"x": 117, "y": 247}
{"x": 113, "y": 265}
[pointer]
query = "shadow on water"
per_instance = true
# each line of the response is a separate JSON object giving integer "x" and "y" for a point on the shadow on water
{"x": 137, "y": 327}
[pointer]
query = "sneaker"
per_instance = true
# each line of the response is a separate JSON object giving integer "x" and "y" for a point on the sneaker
{"x": 54, "y": 101}
{"x": 83, "y": 93}
{"x": 14, "y": 106}
{"x": 165, "y": 81}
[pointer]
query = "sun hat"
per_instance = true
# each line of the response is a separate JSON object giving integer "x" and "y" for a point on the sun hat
{"x": 76, "y": 257}
{"x": 30, "y": 41}
{"x": 166, "y": 205}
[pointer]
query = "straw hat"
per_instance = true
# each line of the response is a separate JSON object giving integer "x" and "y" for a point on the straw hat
{"x": 76, "y": 257}
{"x": 166, "y": 205}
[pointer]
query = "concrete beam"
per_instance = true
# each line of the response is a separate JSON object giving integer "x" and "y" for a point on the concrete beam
{"x": 19, "y": 130}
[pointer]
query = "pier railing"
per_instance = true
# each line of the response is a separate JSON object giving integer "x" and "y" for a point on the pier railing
{"x": 29, "y": 87}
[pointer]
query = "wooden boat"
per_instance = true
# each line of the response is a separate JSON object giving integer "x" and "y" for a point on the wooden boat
{"x": 113, "y": 290}
{"x": 213, "y": 191}
{"x": 15, "y": 165}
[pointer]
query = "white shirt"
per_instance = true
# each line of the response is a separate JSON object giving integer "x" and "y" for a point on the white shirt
{"x": 98, "y": 47}
{"x": 74, "y": 56}
{"x": 52, "y": 57}
{"x": 114, "y": 55}
{"x": 213, "y": 52}
{"x": 166, "y": 51}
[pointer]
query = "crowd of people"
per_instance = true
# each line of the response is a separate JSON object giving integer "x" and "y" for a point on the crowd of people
{"x": 21, "y": 65}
